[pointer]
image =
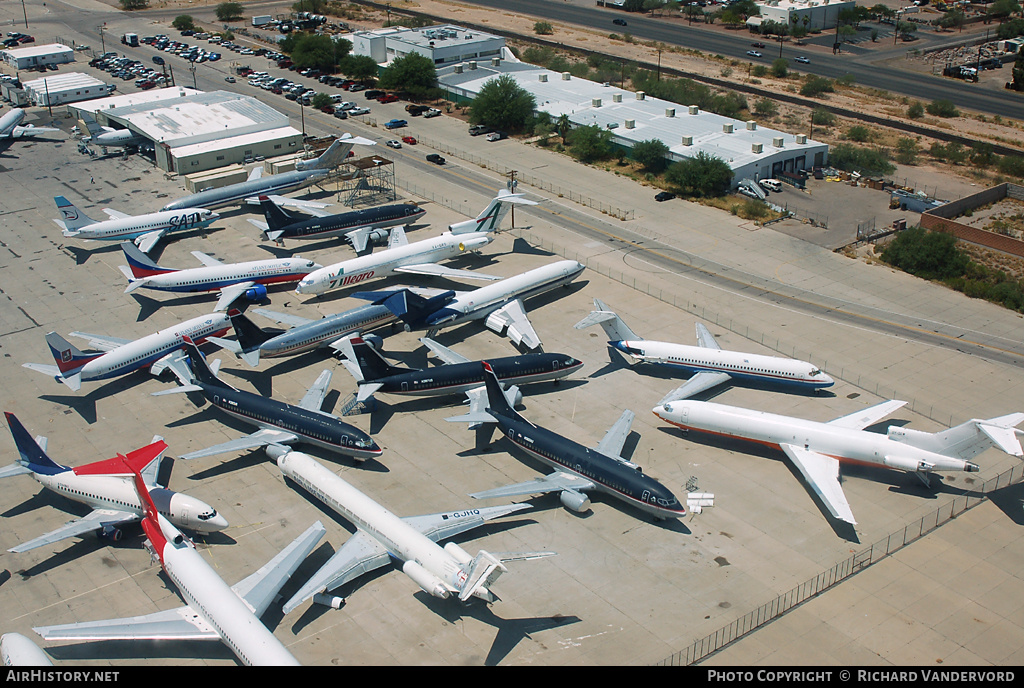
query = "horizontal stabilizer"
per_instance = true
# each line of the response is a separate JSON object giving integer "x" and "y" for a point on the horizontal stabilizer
{"x": 479, "y": 417}
{"x": 177, "y": 390}
{"x": 1002, "y": 432}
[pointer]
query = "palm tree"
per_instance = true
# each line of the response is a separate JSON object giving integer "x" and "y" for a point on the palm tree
{"x": 562, "y": 126}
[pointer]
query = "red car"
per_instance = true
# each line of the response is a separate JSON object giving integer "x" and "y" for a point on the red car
{"x": 389, "y": 98}
{"x": 409, "y": 139}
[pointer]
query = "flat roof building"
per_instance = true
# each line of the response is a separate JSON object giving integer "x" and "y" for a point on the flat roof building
{"x": 445, "y": 44}
{"x": 36, "y": 55}
{"x": 751, "y": 150}
{"x": 59, "y": 89}
{"x": 810, "y": 14}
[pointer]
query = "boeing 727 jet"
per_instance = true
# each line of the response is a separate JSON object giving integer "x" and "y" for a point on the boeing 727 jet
{"x": 145, "y": 230}
{"x": 279, "y": 424}
{"x": 212, "y": 610}
{"x": 11, "y": 127}
{"x": 233, "y": 280}
{"x": 356, "y": 226}
{"x": 382, "y": 537}
{"x": 108, "y": 137}
{"x": 159, "y": 351}
{"x": 817, "y": 449}
{"x": 708, "y": 364}
{"x": 578, "y": 469}
{"x": 101, "y": 486}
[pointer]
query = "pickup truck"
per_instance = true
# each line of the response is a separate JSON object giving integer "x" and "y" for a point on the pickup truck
{"x": 395, "y": 124}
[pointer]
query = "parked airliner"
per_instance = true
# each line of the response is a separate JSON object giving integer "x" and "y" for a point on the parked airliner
{"x": 707, "y": 362}
{"x": 233, "y": 280}
{"x": 11, "y": 127}
{"x": 355, "y": 225}
{"x": 145, "y": 230}
{"x": 500, "y": 304}
{"x": 817, "y": 449}
{"x": 381, "y": 537}
{"x": 18, "y": 651}
{"x": 159, "y": 351}
{"x": 108, "y": 137}
{"x": 212, "y": 610}
{"x": 279, "y": 424}
{"x": 578, "y": 469}
{"x": 101, "y": 486}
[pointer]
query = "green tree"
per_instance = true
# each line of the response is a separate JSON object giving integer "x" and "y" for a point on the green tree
{"x": 780, "y": 68}
{"x": 563, "y": 126}
{"x": 358, "y": 67}
{"x": 1001, "y": 9}
{"x": 412, "y": 72}
{"x": 867, "y": 161}
{"x": 916, "y": 110}
{"x": 320, "y": 101}
{"x": 858, "y": 133}
{"x": 820, "y": 115}
{"x": 313, "y": 51}
{"x": 931, "y": 255}
{"x": 129, "y": 5}
{"x": 906, "y": 151}
{"x": 543, "y": 28}
{"x": 942, "y": 108}
{"x": 503, "y": 104}
{"x": 816, "y": 85}
{"x": 703, "y": 175}
{"x": 229, "y": 11}
{"x": 590, "y": 143}
{"x": 184, "y": 22}
{"x": 1018, "y": 72}
{"x": 651, "y": 154}
{"x": 766, "y": 107}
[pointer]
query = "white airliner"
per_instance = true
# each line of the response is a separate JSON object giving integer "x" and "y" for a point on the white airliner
{"x": 708, "y": 363}
{"x": 500, "y": 305}
{"x": 18, "y": 651}
{"x": 11, "y": 128}
{"x": 381, "y": 536}
{"x": 816, "y": 449}
{"x": 213, "y": 610}
{"x": 159, "y": 351}
{"x": 144, "y": 230}
{"x": 102, "y": 486}
{"x": 233, "y": 280}
{"x": 421, "y": 257}
{"x": 108, "y": 137}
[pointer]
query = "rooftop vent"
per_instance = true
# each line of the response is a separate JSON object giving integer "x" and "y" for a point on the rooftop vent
{"x": 595, "y": 102}
{"x": 458, "y": 69}
{"x": 751, "y": 125}
{"x": 777, "y": 142}
{"x": 566, "y": 76}
{"x": 640, "y": 95}
{"x": 726, "y": 128}
{"x": 670, "y": 112}
{"x": 472, "y": 64}
{"x": 630, "y": 123}
{"x": 687, "y": 140}
{"x": 543, "y": 78}
{"x": 616, "y": 97}
{"x": 495, "y": 61}
{"x": 801, "y": 138}
{"x": 694, "y": 110}
{"x": 757, "y": 148}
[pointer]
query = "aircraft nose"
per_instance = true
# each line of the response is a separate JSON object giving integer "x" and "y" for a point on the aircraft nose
{"x": 218, "y": 522}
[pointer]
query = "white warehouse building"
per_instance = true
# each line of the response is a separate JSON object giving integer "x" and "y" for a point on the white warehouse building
{"x": 59, "y": 89}
{"x": 752, "y": 151}
{"x": 36, "y": 55}
{"x": 819, "y": 14}
{"x": 443, "y": 45}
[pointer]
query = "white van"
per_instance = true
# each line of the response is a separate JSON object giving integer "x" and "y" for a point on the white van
{"x": 771, "y": 185}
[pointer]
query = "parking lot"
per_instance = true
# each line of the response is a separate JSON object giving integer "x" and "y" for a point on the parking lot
{"x": 622, "y": 589}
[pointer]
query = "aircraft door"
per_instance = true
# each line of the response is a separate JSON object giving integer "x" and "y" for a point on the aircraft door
{"x": 405, "y": 386}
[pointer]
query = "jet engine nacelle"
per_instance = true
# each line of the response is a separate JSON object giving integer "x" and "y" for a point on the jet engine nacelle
{"x": 425, "y": 579}
{"x": 575, "y": 501}
{"x": 110, "y": 533}
{"x": 909, "y": 465}
{"x": 376, "y": 341}
{"x": 276, "y": 451}
{"x": 256, "y": 293}
{"x": 513, "y": 396}
{"x": 461, "y": 555}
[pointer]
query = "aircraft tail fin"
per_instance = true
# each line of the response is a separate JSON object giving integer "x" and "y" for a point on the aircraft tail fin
{"x": 497, "y": 401}
{"x": 490, "y": 217}
{"x": 409, "y": 307}
{"x": 72, "y": 219}
{"x": 31, "y": 455}
{"x": 67, "y": 356}
{"x": 250, "y": 336}
{"x": 614, "y": 328}
{"x": 367, "y": 364}
{"x": 91, "y": 124}
{"x": 483, "y": 571}
{"x": 335, "y": 154}
{"x": 967, "y": 440}
{"x": 199, "y": 367}
{"x": 140, "y": 264}
{"x": 277, "y": 218}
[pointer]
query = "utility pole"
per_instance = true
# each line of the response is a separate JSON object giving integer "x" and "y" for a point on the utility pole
{"x": 103, "y": 44}
{"x": 512, "y": 184}
{"x": 24, "y": 12}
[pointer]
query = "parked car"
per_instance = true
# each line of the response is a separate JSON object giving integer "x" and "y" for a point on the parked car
{"x": 495, "y": 136}
{"x": 395, "y": 124}
{"x": 753, "y": 53}
{"x": 802, "y": 60}
{"x": 393, "y": 143}
{"x": 359, "y": 111}
{"x": 432, "y": 112}
{"x": 373, "y": 94}
{"x": 341, "y": 114}
{"x": 388, "y": 98}
{"x": 435, "y": 158}
{"x": 478, "y": 129}
{"x": 619, "y": 22}
{"x": 416, "y": 110}
{"x": 411, "y": 140}
{"x": 758, "y": 44}
{"x": 664, "y": 196}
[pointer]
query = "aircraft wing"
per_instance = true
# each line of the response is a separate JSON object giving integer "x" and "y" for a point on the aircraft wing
{"x": 283, "y": 318}
{"x": 822, "y": 475}
{"x": 439, "y": 527}
{"x": 865, "y": 417}
{"x": 115, "y": 214}
{"x": 99, "y": 518}
{"x": 177, "y": 363}
{"x": 700, "y": 382}
{"x": 360, "y": 554}
{"x": 513, "y": 316}
{"x": 230, "y": 293}
{"x": 611, "y": 444}
{"x": 705, "y": 338}
{"x": 435, "y": 270}
{"x": 554, "y": 482}
{"x": 397, "y": 237}
{"x": 260, "y": 589}
{"x": 443, "y": 352}
{"x": 255, "y": 173}
{"x": 102, "y": 342}
{"x": 208, "y": 261}
{"x": 314, "y": 398}
{"x": 174, "y": 624}
{"x": 19, "y": 132}
{"x": 260, "y": 438}
{"x": 146, "y": 242}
